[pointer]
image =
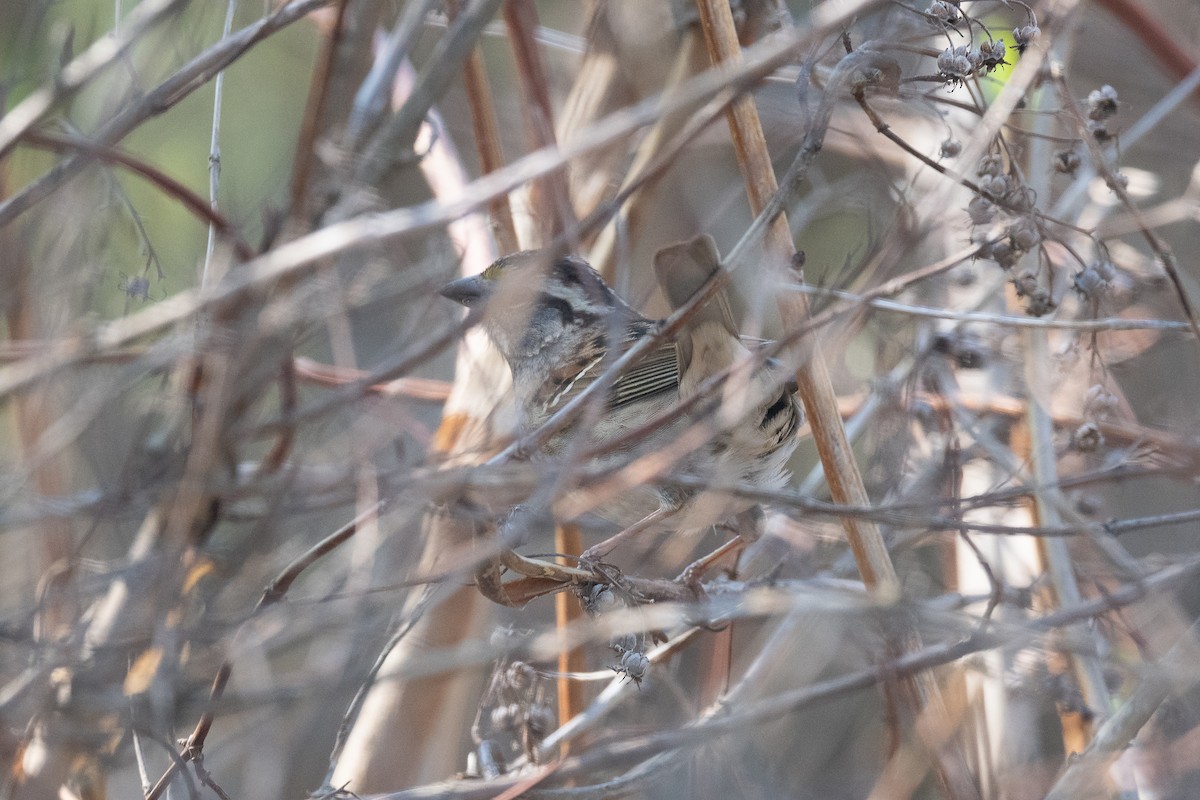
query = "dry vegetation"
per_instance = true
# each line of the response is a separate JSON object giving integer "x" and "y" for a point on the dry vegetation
{"x": 269, "y": 527}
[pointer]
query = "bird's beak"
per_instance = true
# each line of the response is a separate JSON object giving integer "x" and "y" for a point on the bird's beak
{"x": 468, "y": 291}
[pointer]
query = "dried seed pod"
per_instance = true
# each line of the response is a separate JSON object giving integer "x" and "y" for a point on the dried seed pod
{"x": 1099, "y": 402}
{"x": 943, "y": 12}
{"x": 955, "y": 64}
{"x": 1066, "y": 161}
{"x": 1102, "y": 103}
{"x": 1089, "y": 282}
{"x": 633, "y": 665}
{"x": 1087, "y": 438}
{"x": 992, "y": 54}
{"x": 1040, "y": 304}
{"x": 1024, "y": 36}
{"x": 981, "y": 210}
{"x": 991, "y": 164}
{"x": 1024, "y": 234}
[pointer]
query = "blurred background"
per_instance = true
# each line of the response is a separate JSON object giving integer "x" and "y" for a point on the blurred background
{"x": 224, "y": 347}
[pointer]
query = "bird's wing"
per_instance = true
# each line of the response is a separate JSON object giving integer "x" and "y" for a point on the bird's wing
{"x": 655, "y": 373}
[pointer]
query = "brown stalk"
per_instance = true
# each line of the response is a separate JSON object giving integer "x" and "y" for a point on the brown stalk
{"x": 550, "y": 198}
{"x": 33, "y": 412}
{"x": 487, "y": 140}
{"x": 816, "y": 390}
{"x": 459, "y": 613}
{"x": 598, "y": 88}
{"x": 648, "y": 162}
{"x": 845, "y": 480}
{"x": 314, "y": 110}
{"x": 568, "y": 539}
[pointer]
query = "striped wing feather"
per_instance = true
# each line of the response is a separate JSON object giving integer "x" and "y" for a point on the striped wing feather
{"x": 656, "y": 373}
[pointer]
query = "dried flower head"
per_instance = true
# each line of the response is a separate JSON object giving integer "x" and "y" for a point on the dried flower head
{"x": 1099, "y": 402}
{"x": 1102, "y": 103}
{"x": 1066, "y": 161}
{"x": 1105, "y": 269}
{"x": 1095, "y": 278}
{"x": 981, "y": 210}
{"x": 539, "y": 720}
{"x": 955, "y": 64}
{"x": 1099, "y": 130}
{"x": 967, "y": 350}
{"x": 597, "y": 599}
{"x": 991, "y": 164}
{"x": 633, "y": 665}
{"x": 992, "y": 54}
{"x": 1026, "y": 284}
{"x": 1024, "y": 36}
{"x": 1024, "y": 234}
{"x": 943, "y": 13}
{"x": 1087, "y": 438}
{"x": 1021, "y": 197}
{"x": 1000, "y": 251}
{"x": 996, "y": 186}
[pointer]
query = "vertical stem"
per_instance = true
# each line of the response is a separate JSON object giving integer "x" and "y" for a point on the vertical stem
{"x": 551, "y": 198}
{"x": 845, "y": 480}
{"x": 552, "y": 211}
{"x": 487, "y": 140}
{"x": 816, "y": 391}
{"x": 214, "y": 150}
{"x": 314, "y": 110}
{"x": 568, "y": 539}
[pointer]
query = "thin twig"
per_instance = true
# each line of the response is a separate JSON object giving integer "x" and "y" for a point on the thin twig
{"x": 193, "y": 75}
{"x": 1165, "y": 257}
{"x": 81, "y": 69}
{"x": 194, "y": 203}
{"x": 214, "y": 150}
{"x": 272, "y": 594}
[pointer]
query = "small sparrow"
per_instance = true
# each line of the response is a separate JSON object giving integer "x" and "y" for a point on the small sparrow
{"x": 559, "y": 327}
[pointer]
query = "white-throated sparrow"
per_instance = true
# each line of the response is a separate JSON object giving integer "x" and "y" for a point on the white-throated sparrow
{"x": 560, "y": 326}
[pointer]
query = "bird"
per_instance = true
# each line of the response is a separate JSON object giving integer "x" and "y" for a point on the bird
{"x": 559, "y": 326}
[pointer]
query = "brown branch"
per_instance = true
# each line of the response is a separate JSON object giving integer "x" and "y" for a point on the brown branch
{"x": 816, "y": 390}
{"x": 76, "y": 74}
{"x": 487, "y": 141}
{"x": 274, "y": 591}
{"x": 550, "y": 198}
{"x": 736, "y": 721}
{"x": 194, "y": 203}
{"x": 398, "y": 133}
{"x": 314, "y": 110}
{"x": 193, "y": 75}
{"x": 307, "y": 252}
{"x": 315, "y": 372}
